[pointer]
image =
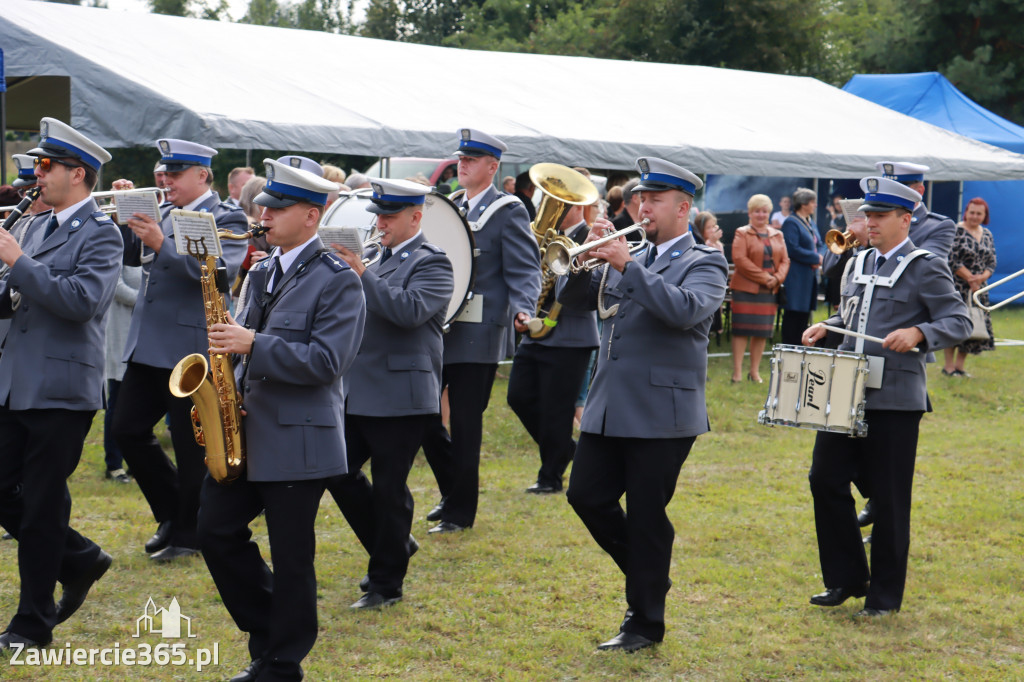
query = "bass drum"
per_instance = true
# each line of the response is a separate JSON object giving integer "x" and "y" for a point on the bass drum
{"x": 442, "y": 225}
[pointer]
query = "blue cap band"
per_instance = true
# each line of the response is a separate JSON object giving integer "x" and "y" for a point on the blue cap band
{"x": 400, "y": 198}
{"x": 473, "y": 144}
{"x": 186, "y": 158}
{"x": 86, "y": 157}
{"x": 26, "y": 173}
{"x": 880, "y": 198}
{"x": 910, "y": 177}
{"x": 672, "y": 180}
{"x": 298, "y": 192}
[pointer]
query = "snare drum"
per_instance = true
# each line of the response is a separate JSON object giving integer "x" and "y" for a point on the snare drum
{"x": 442, "y": 225}
{"x": 816, "y": 388}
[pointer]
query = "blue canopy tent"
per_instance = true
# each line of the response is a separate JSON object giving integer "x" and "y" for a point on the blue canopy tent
{"x": 932, "y": 98}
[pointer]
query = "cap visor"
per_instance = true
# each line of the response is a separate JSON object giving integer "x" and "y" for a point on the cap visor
{"x": 51, "y": 152}
{"x": 469, "y": 151}
{"x": 385, "y": 209}
{"x": 264, "y": 199}
{"x": 655, "y": 187}
{"x": 178, "y": 167}
{"x": 878, "y": 207}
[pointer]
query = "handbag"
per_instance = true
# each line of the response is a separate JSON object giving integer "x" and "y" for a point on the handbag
{"x": 980, "y": 331}
{"x": 780, "y": 297}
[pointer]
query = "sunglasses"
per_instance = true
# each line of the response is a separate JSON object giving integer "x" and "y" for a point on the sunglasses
{"x": 46, "y": 163}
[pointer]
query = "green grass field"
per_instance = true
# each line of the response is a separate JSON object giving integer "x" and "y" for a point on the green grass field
{"x": 528, "y": 595}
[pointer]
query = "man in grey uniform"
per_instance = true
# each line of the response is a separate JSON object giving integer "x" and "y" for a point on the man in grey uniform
{"x": 303, "y": 323}
{"x": 57, "y": 291}
{"x": 506, "y": 290}
{"x": 168, "y": 323}
{"x": 646, "y": 405}
{"x": 906, "y": 297}
{"x": 394, "y": 388}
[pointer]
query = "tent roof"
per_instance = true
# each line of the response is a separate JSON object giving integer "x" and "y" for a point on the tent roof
{"x": 931, "y": 97}
{"x": 146, "y": 76}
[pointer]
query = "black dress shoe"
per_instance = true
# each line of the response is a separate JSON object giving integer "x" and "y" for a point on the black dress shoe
{"x": 172, "y": 552}
{"x": 543, "y": 489}
{"x": 834, "y": 596}
{"x": 250, "y": 673}
{"x": 626, "y": 641}
{"x": 447, "y": 527}
{"x": 867, "y": 515}
{"x": 873, "y": 613}
{"x": 412, "y": 546}
{"x": 160, "y": 538}
{"x": 75, "y": 591}
{"x": 374, "y": 600}
{"x": 435, "y": 513}
{"x": 9, "y": 639}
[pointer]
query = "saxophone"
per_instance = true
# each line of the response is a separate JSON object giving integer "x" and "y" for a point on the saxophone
{"x": 216, "y": 417}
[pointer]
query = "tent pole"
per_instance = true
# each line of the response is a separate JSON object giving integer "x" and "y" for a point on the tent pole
{"x": 385, "y": 166}
{"x": 248, "y": 158}
{"x": 960, "y": 198}
{"x": 3, "y": 138}
{"x": 928, "y": 202}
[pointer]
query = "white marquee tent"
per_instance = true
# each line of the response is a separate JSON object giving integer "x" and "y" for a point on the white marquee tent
{"x": 128, "y": 79}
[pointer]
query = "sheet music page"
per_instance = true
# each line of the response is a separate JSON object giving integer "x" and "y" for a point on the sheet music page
{"x": 195, "y": 229}
{"x": 349, "y": 237}
{"x": 850, "y": 212}
{"x": 136, "y": 202}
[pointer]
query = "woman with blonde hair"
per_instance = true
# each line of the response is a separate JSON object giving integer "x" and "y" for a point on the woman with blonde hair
{"x": 759, "y": 254}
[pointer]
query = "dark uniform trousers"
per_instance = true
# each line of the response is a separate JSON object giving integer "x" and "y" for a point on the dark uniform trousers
{"x": 455, "y": 458}
{"x": 277, "y": 609}
{"x": 380, "y": 513}
{"x": 639, "y": 538}
{"x": 39, "y": 450}
{"x": 542, "y": 390}
{"x": 171, "y": 491}
{"x": 882, "y": 466}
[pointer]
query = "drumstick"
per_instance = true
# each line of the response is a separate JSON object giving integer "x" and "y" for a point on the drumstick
{"x": 866, "y": 337}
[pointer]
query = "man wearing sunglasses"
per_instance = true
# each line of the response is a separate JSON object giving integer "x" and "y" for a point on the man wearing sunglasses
{"x": 168, "y": 323}
{"x": 60, "y": 283}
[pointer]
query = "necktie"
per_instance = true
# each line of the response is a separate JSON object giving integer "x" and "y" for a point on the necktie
{"x": 652, "y": 254}
{"x": 50, "y": 226}
{"x": 386, "y": 254}
{"x": 879, "y": 262}
{"x": 278, "y": 275}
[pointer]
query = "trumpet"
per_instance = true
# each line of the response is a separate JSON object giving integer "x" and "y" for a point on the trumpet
{"x": 562, "y": 261}
{"x": 111, "y": 209}
{"x": 977, "y": 294}
{"x": 373, "y": 241}
{"x": 838, "y": 242}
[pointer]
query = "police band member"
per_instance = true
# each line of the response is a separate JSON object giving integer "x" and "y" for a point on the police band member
{"x": 646, "y": 404}
{"x": 929, "y": 231}
{"x": 506, "y": 289}
{"x": 303, "y": 323}
{"x": 58, "y": 288}
{"x": 168, "y": 323}
{"x": 905, "y": 296}
{"x": 547, "y": 376}
{"x": 394, "y": 388}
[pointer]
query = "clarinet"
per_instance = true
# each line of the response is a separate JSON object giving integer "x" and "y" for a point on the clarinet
{"x": 22, "y": 206}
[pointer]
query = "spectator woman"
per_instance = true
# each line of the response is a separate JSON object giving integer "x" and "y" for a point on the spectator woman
{"x": 759, "y": 254}
{"x": 972, "y": 260}
{"x": 707, "y": 227}
{"x": 780, "y": 216}
{"x": 802, "y": 246}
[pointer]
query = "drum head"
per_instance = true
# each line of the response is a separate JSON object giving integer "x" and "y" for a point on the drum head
{"x": 442, "y": 225}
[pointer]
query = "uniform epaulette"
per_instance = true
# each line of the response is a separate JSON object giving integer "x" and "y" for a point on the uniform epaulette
{"x": 432, "y": 247}
{"x": 932, "y": 214}
{"x": 101, "y": 217}
{"x": 261, "y": 264}
{"x": 229, "y": 206}
{"x": 333, "y": 261}
{"x": 706, "y": 249}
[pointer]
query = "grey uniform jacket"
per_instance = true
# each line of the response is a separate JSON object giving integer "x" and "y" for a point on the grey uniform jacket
{"x": 508, "y": 278}
{"x": 169, "y": 320}
{"x": 923, "y": 297}
{"x": 575, "y": 328}
{"x": 931, "y": 231}
{"x": 652, "y": 364}
{"x": 54, "y": 353}
{"x": 307, "y": 335}
{"x": 398, "y": 369}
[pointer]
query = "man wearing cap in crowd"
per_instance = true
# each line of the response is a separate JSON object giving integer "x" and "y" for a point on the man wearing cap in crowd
{"x": 303, "y": 322}
{"x": 646, "y": 405}
{"x": 505, "y": 291}
{"x": 393, "y": 392}
{"x": 905, "y": 296}
{"x": 60, "y": 283}
{"x": 929, "y": 231}
{"x": 168, "y": 323}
